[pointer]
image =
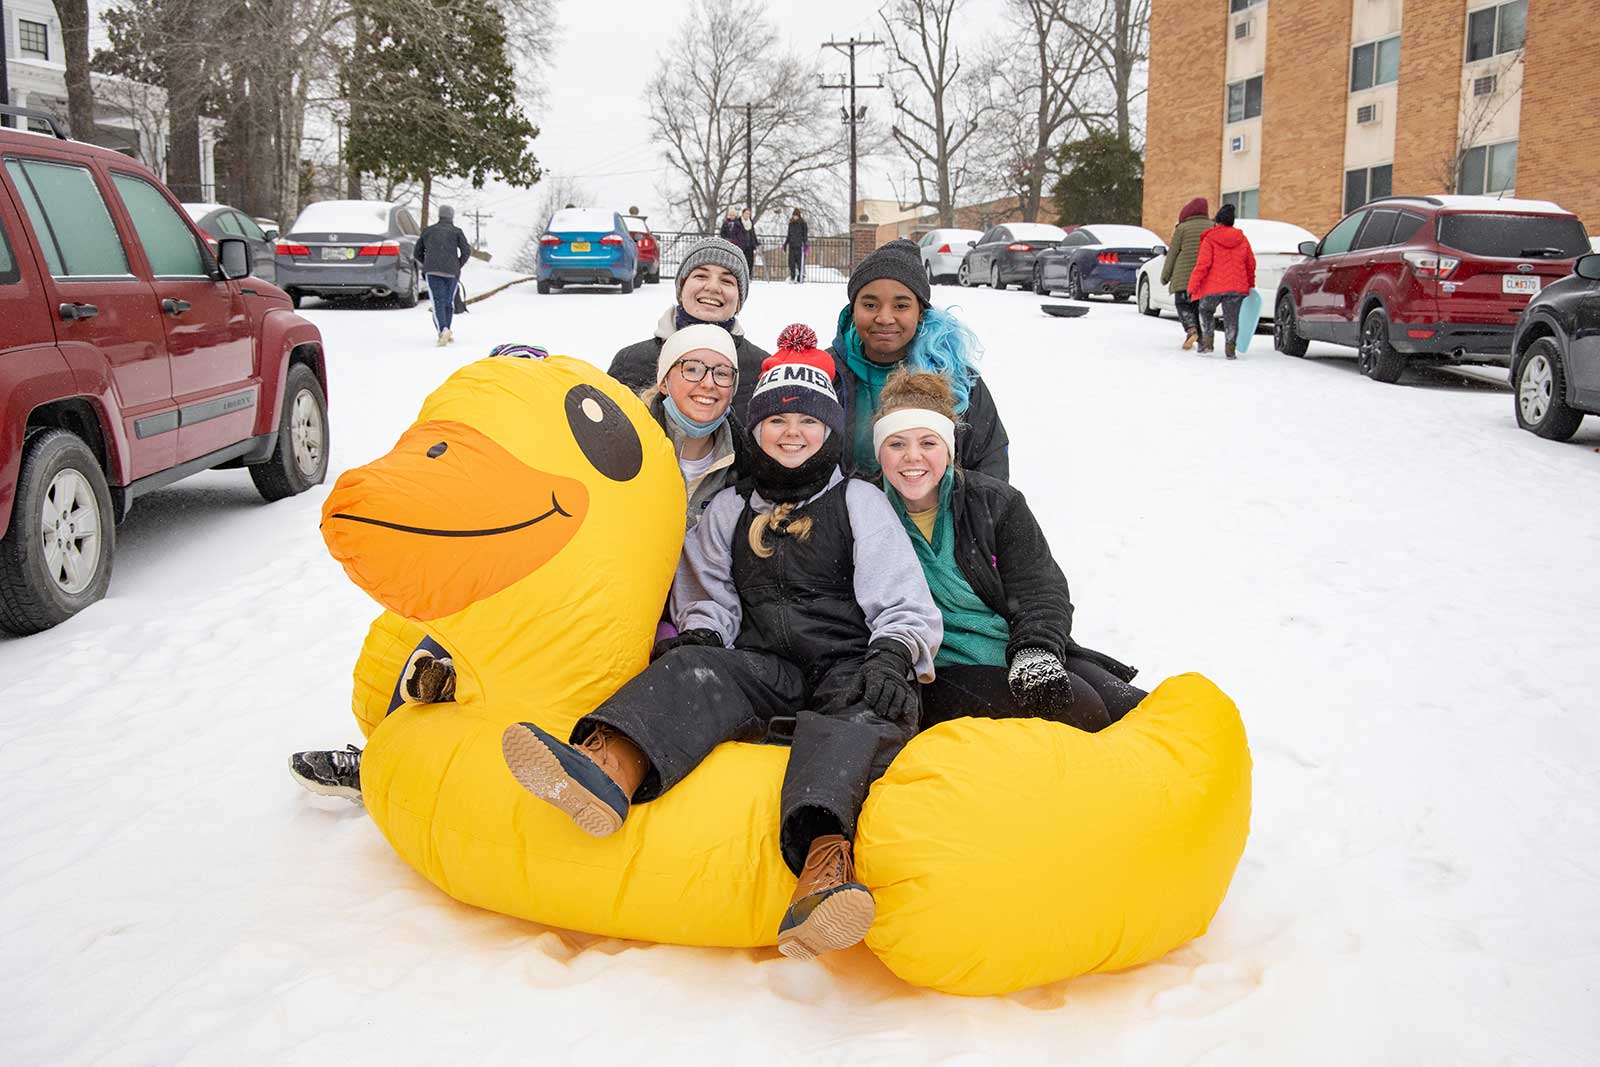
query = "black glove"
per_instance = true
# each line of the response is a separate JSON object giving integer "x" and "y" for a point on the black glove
{"x": 1039, "y": 681}
{"x": 886, "y": 684}
{"x": 689, "y": 637}
{"x": 428, "y": 680}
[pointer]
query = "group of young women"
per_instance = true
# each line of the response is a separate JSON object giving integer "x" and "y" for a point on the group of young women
{"x": 856, "y": 569}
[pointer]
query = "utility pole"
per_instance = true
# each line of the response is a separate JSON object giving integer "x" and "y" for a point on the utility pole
{"x": 5, "y": 73}
{"x": 749, "y": 151}
{"x": 852, "y": 116}
{"x": 477, "y": 218}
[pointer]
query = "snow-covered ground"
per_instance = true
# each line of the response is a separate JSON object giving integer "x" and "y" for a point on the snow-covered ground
{"x": 1398, "y": 587}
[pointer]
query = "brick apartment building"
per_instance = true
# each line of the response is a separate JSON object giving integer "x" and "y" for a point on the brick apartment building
{"x": 1303, "y": 110}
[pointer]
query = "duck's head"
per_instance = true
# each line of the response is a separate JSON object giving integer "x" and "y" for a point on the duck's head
{"x": 522, "y": 483}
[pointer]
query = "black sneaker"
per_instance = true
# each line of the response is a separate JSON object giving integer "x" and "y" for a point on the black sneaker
{"x": 332, "y": 774}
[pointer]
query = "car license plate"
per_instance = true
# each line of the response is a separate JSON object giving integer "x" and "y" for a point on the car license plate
{"x": 1519, "y": 283}
{"x": 580, "y": 246}
{"x": 339, "y": 253}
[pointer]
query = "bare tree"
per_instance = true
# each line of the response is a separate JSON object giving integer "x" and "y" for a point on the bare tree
{"x": 74, "y": 16}
{"x": 1117, "y": 36}
{"x": 1477, "y": 115}
{"x": 727, "y": 52}
{"x": 556, "y": 191}
{"x": 938, "y": 108}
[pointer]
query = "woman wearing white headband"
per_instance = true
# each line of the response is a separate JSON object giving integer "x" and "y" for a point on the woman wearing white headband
{"x": 1008, "y": 650}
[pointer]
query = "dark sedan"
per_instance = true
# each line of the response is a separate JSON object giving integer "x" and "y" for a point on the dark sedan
{"x": 219, "y": 220}
{"x": 1555, "y": 354}
{"x": 1093, "y": 259}
{"x": 351, "y": 248}
{"x": 1004, "y": 254}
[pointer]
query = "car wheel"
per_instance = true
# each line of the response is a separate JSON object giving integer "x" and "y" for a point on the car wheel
{"x": 1075, "y": 284}
{"x": 1039, "y": 287}
{"x": 408, "y": 295}
{"x": 963, "y": 276}
{"x": 1285, "y": 333}
{"x": 653, "y": 279}
{"x": 301, "y": 458}
{"x": 1542, "y": 393}
{"x": 626, "y": 285}
{"x": 55, "y": 560}
{"x": 1145, "y": 307}
{"x": 994, "y": 278}
{"x": 1378, "y": 358}
{"x": 294, "y": 298}
{"x": 543, "y": 287}
{"x": 1120, "y": 298}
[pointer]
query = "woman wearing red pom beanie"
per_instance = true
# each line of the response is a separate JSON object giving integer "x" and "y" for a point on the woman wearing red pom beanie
{"x": 781, "y": 636}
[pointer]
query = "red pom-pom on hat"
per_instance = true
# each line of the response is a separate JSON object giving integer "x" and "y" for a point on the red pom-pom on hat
{"x": 798, "y": 344}
{"x": 797, "y": 335}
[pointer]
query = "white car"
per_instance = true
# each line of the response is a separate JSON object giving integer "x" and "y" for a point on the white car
{"x": 1276, "y": 246}
{"x": 942, "y": 252}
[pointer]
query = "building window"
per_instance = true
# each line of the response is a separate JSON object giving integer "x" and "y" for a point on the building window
{"x": 1367, "y": 184}
{"x": 1488, "y": 169}
{"x": 1245, "y": 203}
{"x": 1240, "y": 5}
{"x": 33, "y": 39}
{"x": 1244, "y": 99}
{"x": 1493, "y": 30}
{"x": 1376, "y": 63}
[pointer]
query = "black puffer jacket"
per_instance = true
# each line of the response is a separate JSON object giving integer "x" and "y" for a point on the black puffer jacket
{"x": 1005, "y": 558}
{"x": 981, "y": 440}
{"x": 635, "y": 367}
{"x": 442, "y": 249}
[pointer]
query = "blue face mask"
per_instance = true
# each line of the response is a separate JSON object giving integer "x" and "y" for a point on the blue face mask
{"x": 687, "y": 426}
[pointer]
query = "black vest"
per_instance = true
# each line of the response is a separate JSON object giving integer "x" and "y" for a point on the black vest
{"x": 800, "y": 603}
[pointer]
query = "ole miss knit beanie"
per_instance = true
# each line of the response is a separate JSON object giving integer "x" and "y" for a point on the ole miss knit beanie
{"x": 718, "y": 253}
{"x": 899, "y": 261}
{"x": 797, "y": 377}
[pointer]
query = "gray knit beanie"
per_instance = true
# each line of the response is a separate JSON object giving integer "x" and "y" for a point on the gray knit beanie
{"x": 718, "y": 253}
{"x": 899, "y": 261}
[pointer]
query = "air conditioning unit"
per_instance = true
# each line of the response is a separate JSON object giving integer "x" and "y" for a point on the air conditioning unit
{"x": 1484, "y": 86}
{"x": 1367, "y": 114}
{"x": 1238, "y": 143}
{"x": 1244, "y": 28}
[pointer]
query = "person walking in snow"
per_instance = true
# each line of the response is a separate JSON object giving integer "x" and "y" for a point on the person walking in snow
{"x": 1007, "y": 650}
{"x": 712, "y": 285}
{"x": 751, "y": 241}
{"x": 796, "y": 242}
{"x": 782, "y": 634}
{"x": 442, "y": 250}
{"x": 732, "y": 231}
{"x": 1224, "y": 273}
{"x": 889, "y": 322}
{"x": 1182, "y": 252}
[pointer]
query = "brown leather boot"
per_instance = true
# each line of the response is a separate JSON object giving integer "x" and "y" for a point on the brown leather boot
{"x": 1189, "y": 339}
{"x": 829, "y": 909}
{"x": 593, "y": 783}
{"x": 1230, "y": 352}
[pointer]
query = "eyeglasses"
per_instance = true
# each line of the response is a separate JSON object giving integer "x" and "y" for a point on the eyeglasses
{"x": 695, "y": 371}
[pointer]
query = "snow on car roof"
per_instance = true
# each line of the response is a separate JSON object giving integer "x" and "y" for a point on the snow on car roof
{"x": 352, "y": 216}
{"x": 1123, "y": 236}
{"x": 200, "y": 211}
{"x": 636, "y": 224}
{"x": 1271, "y": 236}
{"x": 583, "y": 220}
{"x": 1035, "y": 231}
{"x": 1493, "y": 203}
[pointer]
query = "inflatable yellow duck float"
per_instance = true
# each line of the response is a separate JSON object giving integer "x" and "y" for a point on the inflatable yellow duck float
{"x": 528, "y": 525}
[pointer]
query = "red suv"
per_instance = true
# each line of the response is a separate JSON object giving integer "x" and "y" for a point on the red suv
{"x": 1441, "y": 279}
{"x": 130, "y": 357}
{"x": 649, "y": 250}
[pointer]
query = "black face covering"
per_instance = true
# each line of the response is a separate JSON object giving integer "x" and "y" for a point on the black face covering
{"x": 778, "y": 484}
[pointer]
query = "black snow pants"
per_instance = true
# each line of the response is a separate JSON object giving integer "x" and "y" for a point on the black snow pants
{"x": 1188, "y": 311}
{"x": 1230, "y": 303}
{"x": 796, "y": 264}
{"x": 1100, "y": 698}
{"x": 695, "y": 697}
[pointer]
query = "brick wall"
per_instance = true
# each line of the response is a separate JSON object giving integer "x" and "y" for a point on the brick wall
{"x": 864, "y": 239}
{"x": 1432, "y": 46}
{"x": 1183, "y": 138}
{"x": 1303, "y": 103}
{"x": 1558, "y": 150}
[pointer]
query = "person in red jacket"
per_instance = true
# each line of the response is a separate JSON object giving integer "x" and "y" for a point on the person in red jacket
{"x": 1223, "y": 276}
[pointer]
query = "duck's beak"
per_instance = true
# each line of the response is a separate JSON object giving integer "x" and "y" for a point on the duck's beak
{"x": 446, "y": 519}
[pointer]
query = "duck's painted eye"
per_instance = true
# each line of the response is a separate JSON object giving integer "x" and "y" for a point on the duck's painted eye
{"x": 438, "y": 450}
{"x": 604, "y": 433}
{"x": 519, "y": 351}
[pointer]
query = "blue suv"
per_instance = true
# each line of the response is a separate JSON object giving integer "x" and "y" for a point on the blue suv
{"x": 587, "y": 246}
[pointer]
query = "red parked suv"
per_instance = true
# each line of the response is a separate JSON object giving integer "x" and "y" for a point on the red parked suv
{"x": 1440, "y": 279}
{"x": 130, "y": 357}
{"x": 649, "y": 250}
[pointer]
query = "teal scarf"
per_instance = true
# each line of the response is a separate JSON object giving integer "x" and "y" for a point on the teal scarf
{"x": 973, "y": 634}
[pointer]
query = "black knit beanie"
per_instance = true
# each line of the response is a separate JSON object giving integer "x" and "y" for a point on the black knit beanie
{"x": 899, "y": 261}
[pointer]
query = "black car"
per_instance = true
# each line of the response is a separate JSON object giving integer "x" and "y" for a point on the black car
{"x": 1103, "y": 258}
{"x": 1004, "y": 254}
{"x": 1555, "y": 354}
{"x": 219, "y": 220}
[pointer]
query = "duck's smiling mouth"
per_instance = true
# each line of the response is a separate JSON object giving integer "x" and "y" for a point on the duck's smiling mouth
{"x": 555, "y": 509}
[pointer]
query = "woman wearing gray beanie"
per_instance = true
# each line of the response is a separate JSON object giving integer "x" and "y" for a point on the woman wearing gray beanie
{"x": 889, "y": 322}
{"x": 712, "y": 286}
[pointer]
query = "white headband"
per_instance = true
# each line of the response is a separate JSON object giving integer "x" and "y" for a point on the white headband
{"x": 914, "y": 419}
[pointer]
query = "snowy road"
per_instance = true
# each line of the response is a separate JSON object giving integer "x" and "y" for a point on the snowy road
{"x": 1398, "y": 587}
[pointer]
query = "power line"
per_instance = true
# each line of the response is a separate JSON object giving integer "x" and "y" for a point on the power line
{"x": 477, "y": 218}
{"x": 853, "y": 115}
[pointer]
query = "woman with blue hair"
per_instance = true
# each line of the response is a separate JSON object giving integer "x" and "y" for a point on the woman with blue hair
{"x": 888, "y": 323}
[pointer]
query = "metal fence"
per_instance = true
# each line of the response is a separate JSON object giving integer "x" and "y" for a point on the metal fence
{"x": 827, "y": 261}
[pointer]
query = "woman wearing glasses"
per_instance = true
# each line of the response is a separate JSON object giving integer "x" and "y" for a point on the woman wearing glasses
{"x": 697, "y": 373}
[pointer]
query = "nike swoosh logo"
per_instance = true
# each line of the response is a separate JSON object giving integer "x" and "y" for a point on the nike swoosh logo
{"x": 787, "y": 399}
